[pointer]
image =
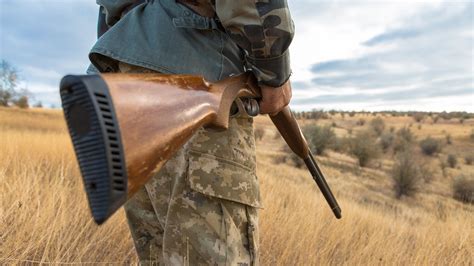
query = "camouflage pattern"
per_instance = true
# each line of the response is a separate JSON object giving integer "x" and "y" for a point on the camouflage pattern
{"x": 201, "y": 208}
{"x": 264, "y": 29}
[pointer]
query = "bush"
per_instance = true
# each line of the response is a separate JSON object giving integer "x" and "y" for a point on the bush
{"x": 22, "y": 102}
{"x": 259, "y": 133}
{"x": 378, "y": 125}
{"x": 430, "y": 146}
{"x": 405, "y": 175}
{"x": 404, "y": 140}
{"x": 463, "y": 189}
{"x": 360, "y": 122}
{"x": 319, "y": 138}
{"x": 386, "y": 140}
{"x": 294, "y": 159}
{"x": 468, "y": 159}
{"x": 425, "y": 171}
{"x": 452, "y": 160}
{"x": 340, "y": 144}
{"x": 449, "y": 139}
{"x": 363, "y": 146}
{"x": 446, "y": 116}
{"x": 406, "y": 134}
{"x": 419, "y": 117}
{"x": 471, "y": 137}
{"x": 318, "y": 114}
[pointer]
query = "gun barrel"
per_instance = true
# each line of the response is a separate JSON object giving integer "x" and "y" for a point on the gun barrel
{"x": 323, "y": 185}
{"x": 288, "y": 127}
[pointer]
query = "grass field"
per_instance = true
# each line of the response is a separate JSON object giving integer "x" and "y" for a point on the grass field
{"x": 44, "y": 216}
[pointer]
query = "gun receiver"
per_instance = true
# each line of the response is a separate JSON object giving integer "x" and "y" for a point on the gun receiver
{"x": 124, "y": 127}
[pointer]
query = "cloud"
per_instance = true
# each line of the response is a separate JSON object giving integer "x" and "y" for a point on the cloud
{"x": 427, "y": 56}
{"x": 45, "y": 40}
{"x": 357, "y": 54}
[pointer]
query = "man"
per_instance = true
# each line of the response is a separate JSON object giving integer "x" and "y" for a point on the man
{"x": 201, "y": 208}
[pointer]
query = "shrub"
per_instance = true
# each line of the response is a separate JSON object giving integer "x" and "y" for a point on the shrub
{"x": 360, "y": 122}
{"x": 449, "y": 140}
{"x": 446, "y": 116}
{"x": 378, "y": 125}
{"x": 405, "y": 175}
{"x": 430, "y": 146}
{"x": 471, "y": 137}
{"x": 404, "y": 140}
{"x": 425, "y": 171}
{"x": 419, "y": 117}
{"x": 386, "y": 140}
{"x": 319, "y": 138}
{"x": 280, "y": 159}
{"x": 340, "y": 144}
{"x": 259, "y": 133}
{"x": 468, "y": 159}
{"x": 294, "y": 159}
{"x": 318, "y": 114}
{"x": 435, "y": 119}
{"x": 22, "y": 102}
{"x": 452, "y": 160}
{"x": 463, "y": 189}
{"x": 352, "y": 113}
{"x": 363, "y": 146}
{"x": 406, "y": 134}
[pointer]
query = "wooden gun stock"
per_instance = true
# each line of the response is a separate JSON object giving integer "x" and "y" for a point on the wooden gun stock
{"x": 124, "y": 127}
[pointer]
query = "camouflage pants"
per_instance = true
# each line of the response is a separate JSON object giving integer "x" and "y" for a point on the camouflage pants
{"x": 201, "y": 208}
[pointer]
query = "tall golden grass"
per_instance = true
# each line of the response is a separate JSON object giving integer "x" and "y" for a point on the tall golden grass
{"x": 44, "y": 216}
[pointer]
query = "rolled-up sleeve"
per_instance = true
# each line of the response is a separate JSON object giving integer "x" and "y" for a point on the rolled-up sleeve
{"x": 264, "y": 30}
{"x": 114, "y": 9}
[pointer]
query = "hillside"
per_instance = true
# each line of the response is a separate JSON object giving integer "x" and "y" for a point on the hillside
{"x": 44, "y": 216}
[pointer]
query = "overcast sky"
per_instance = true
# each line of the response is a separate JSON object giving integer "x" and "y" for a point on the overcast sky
{"x": 348, "y": 55}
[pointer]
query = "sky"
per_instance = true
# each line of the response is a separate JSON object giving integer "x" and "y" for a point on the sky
{"x": 346, "y": 55}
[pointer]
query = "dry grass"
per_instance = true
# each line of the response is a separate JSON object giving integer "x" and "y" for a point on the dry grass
{"x": 44, "y": 216}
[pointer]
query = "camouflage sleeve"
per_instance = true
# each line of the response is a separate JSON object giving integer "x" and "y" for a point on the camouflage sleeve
{"x": 115, "y": 8}
{"x": 264, "y": 29}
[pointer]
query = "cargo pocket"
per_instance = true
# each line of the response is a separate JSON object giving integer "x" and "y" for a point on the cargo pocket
{"x": 222, "y": 164}
{"x": 224, "y": 179}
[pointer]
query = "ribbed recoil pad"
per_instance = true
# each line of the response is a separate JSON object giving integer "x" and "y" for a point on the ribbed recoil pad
{"x": 93, "y": 127}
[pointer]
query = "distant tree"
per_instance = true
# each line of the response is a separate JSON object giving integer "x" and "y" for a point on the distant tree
{"x": 22, "y": 102}
{"x": 8, "y": 83}
{"x": 9, "y": 92}
{"x": 38, "y": 105}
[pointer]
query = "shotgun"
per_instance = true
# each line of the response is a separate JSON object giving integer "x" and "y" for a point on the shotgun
{"x": 124, "y": 127}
